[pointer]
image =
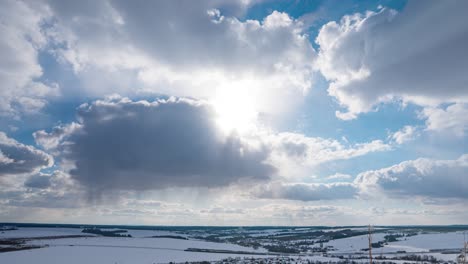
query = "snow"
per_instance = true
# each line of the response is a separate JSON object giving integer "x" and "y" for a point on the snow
{"x": 104, "y": 255}
{"x": 418, "y": 243}
{"x": 25, "y": 232}
{"x": 425, "y": 242}
{"x": 353, "y": 244}
{"x": 150, "y": 243}
{"x": 139, "y": 249}
{"x": 142, "y": 248}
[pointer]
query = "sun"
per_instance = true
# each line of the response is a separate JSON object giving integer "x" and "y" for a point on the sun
{"x": 235, "y": 111}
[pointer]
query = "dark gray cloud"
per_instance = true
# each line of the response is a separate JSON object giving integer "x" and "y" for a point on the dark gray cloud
{"x": 122, "y": 144}
{"x": 421, "y": 177}
{"x": 17, "y": 158}
{"x": 38, "y": 181}
{"x": 307, "y": 191}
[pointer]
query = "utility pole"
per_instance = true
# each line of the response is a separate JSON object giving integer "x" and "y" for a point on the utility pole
{"x": 462, "y": 258}
{"x": 369, "y": 236}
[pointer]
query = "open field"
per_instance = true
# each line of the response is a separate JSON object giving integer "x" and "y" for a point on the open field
{"x": 119, "y": 244}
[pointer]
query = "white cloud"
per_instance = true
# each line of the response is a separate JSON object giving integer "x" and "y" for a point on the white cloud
{"x": 421, "y": 177}
{"x": 52, "y": 140}
{"x": 451, "y": 120}
{"x": 339, "y": 176}
{"x": 294, "y": 154}
{"x": 418, "y": 56}
{"x": 405, "y": 134}
{"x": 18, "y": 159}
{"x": 195, "y": 51}
{"x": 22, "y": 39}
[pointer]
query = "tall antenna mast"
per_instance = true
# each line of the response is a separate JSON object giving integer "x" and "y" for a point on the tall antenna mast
{"x": 465, "y": 245}
{"x": 369, "y": 236}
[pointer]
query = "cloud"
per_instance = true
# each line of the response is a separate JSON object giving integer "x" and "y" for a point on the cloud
{"x": 451, "y": 120}
{"x": 190, "y": 49}
{"x": 38, "y": 181}
{"x": 22, "y": 39}
{"x": 120, "y": 144}
{"x": 140, "y": 145}
{"x": 421, "y": 177}
{"x": 307, "y": 191}
{"x": 52, "y": 140}
{"x": 375, "y": 58}
{"x": 407, "y": 133}
{"x": 294, "y": 152}
{"x": 340, "y": 176}
{"x": 17, "y": 158}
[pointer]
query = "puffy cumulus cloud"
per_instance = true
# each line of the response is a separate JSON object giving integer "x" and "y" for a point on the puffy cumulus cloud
{"x": 451, "y": 120}
{"x": 17, "y": 158}
{"x": 307, "y": 191}
{"x": 405, "y": 134}
{"x": 22, "y": 39}
{"x": 421, "y": 177}
{"x": 53, "y": 190}
{"x": 418, "y": 56}
{"x": 120, "y": 144}
{"x": 141, "y": 145}
{"x": 52, "y": 140}
{"x": 197, "y": 49}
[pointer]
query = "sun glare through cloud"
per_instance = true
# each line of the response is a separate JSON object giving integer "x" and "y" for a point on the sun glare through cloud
{"x": 235, "y": 107}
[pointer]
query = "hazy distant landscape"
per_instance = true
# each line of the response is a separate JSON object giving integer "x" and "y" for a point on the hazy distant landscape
{"x": 34, "y": 243}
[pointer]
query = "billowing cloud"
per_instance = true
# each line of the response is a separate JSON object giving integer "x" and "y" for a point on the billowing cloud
{"x": 22, "y": 39}
{"x": 52, "y": 140}
{"x": 307, "y": 191}
{"x": 122, "y": 144}
{"x": 17, "y": 158}
{"x": 54, "y": 190}
{"x": 405, "y": 134}
{"x": 418, "y": 56}
{"x": 421, "y": 177}
{"x": 196, "y": 49}
{"x": 450, "y": 120}
{"x": 118, "y": 143}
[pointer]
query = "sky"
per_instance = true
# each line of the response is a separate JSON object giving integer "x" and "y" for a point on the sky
{"x": 230, "y": 112}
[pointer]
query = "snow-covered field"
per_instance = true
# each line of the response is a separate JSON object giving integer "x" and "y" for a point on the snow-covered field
{"x": 40, "y": 232}
{"x": 143, "y": 247}
{"x": 425, "y": 242}
{"x": 352, "y": 244}
{"x": 140, "y": 248}
{"x": 112, "y": 255}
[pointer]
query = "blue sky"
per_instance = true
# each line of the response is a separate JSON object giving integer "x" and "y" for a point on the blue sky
{"x": 160, "y": 112}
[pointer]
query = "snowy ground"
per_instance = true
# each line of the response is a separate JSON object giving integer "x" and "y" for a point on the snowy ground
{"x": 40, "y": 232}
{"x": 142, "y": 247}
